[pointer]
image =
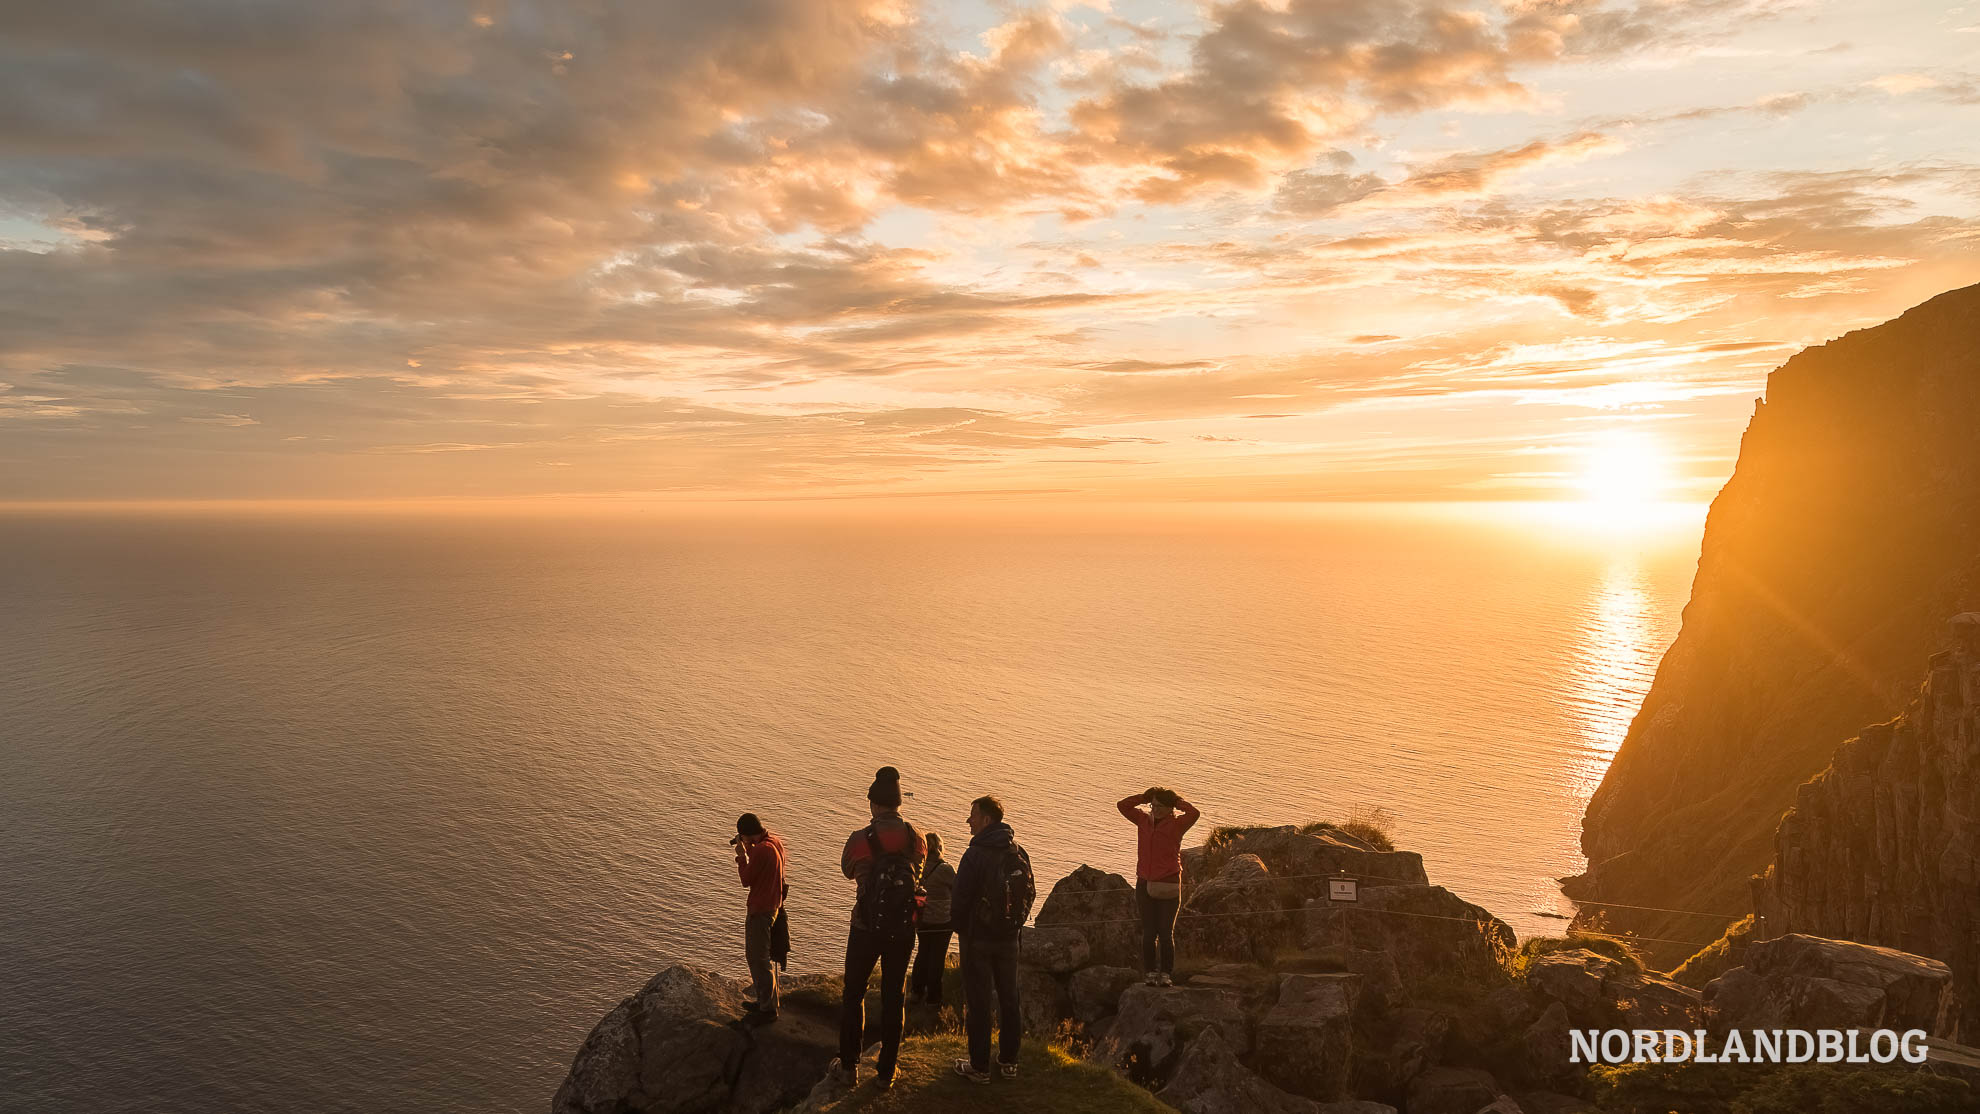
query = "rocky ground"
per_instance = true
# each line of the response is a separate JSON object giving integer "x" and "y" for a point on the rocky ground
{"x": 1408, "y": 999}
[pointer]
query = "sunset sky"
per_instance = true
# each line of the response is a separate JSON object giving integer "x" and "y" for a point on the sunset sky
{"x": 1311, "y": 249}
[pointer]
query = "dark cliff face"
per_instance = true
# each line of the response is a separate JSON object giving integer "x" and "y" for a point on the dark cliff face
{"x": 1883, "y": 846}
{"x": 1849, "y": 530}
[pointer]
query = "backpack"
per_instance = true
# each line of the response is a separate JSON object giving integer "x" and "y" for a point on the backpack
{"x": 891, "y": 901}
{"x": 1005, "y": 903}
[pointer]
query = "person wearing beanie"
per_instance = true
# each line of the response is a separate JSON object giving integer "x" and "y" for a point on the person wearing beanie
{"x": 884, "y": 861}
{"x": 760, "y": 865}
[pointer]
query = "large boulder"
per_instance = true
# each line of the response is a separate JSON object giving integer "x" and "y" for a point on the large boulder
{"x": 1099, "y": 906}
{"x": 1155, "y": 1023}
{"x": 678, "y": 1046}
{"x": 1808, "y": 982}
{"x": 1397, "y": 936}
{"x": 1042, "y": 1000}
{"x": 1304, "y": 1041}
{"x": 1209, "y": 1080}
{"x": 1600, "y": 991}
{"x": 1096, "y": 991}
{"x": 1392, "y": 1048}
{"x": 1452, "y": 1091}
{"x": 1060, "y": 949}
{"x": 1301, "y": 862}
{"x": 1236, "y": 915}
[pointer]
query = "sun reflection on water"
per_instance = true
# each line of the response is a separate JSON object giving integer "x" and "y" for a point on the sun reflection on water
{"x": 1615, "y": 661}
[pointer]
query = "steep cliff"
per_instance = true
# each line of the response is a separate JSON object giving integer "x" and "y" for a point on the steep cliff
{"x": 1884, "y": 845}
{"x": 1849, "y": 529}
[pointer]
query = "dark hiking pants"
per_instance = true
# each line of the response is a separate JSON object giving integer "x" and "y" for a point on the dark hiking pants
{"x": 1158, "y": 930}
{"x": 990, "y": 967}
{"x": 864, "y": 948}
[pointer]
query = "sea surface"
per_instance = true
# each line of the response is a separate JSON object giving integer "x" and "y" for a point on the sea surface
{"x": 369, "y": 812}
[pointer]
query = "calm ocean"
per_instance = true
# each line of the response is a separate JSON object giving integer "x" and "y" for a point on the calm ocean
{"x": 349, "y": 813}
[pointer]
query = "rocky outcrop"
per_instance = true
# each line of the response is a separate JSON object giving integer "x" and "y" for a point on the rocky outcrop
{"x": 1393, "y": 936}
{"x": 1452, "y": 1091}
{"x": 1849, "y": 529}
{"x": 1155, "y": 1023}
{"x": 1884, "y": 845}
{"x": 1806, "y": 982}
{"x": 1100, "y": 907}
{"x": 676, "y": 1047}
{"x": 1211, "y": 1080}
{"x": 1236, "y": 915}
{"x": 1305, "y": 1041}
{"x": 1301, "y": 860}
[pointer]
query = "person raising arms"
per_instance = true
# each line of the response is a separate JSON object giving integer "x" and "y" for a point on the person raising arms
{"x": 1158, "y": 875}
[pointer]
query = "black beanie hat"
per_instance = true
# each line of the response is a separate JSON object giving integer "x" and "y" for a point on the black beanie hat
{"x": 886, "y": 788}
{"x": 747, "y": 824}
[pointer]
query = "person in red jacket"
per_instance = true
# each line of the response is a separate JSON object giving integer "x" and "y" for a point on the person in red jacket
{"x": 1158, "y": 875}
{"x": 760, "y": 865}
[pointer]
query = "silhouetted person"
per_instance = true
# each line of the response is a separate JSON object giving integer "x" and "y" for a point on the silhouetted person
{"x": 1158, "y": 875}
{"x": 884, "y": 860}
{"x": 760, "y": 864}
{"x": 992, "y": 899}
{"x": 938, "y": 879}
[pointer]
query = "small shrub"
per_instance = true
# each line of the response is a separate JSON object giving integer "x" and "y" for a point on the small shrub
{"x": 1370, "y": 825}
{"x": 1071, "y": 1036}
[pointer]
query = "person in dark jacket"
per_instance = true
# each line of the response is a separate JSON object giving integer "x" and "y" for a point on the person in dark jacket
{"x": 870, "y": 852}
{"x": 1158, "y": 875}
{"x": 938, "y": 877}
{"x": 989, "y": 951}
{"x": 760, "y": 864}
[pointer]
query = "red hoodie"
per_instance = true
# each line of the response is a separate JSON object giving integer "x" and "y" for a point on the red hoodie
{"x": 1158, "y": 847}
{"x": 761, "y": 866}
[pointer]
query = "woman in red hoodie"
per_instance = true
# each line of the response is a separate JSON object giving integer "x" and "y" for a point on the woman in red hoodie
{"x": 760, "y": 865}
{"x": 1158, "y": 875}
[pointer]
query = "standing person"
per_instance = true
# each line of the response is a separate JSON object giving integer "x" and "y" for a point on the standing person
{"x": 760, "y": 865}
{"x": 938, "y": 878}
{"x": 992, "y": 899}
{"x": 884, "y": 861}
{"x": 1158, "y": 875}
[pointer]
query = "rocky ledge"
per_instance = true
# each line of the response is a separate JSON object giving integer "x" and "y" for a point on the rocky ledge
{"x": 1408, "y": 999}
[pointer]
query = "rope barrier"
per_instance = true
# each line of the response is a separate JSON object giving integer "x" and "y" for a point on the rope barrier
{"x": 1361, "y": 909}
{"x": 1400, "y": 881}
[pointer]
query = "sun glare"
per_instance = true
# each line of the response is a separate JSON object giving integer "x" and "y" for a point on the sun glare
{"x": 1624, "y": 477}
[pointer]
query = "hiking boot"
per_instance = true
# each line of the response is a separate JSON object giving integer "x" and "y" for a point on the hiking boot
{"x": 968, "y": 1071}
{"x": 847, "y": 1073}
{"x": 1163, "y": 979}
{"x": 1152, "y": 978}
{"x": 1008, "y": 1071}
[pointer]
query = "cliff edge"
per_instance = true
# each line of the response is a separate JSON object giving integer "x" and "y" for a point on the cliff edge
{"x": 1849, "y": 529}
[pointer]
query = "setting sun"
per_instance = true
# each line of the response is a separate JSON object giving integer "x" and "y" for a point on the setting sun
{"x": 1624, "y": 474}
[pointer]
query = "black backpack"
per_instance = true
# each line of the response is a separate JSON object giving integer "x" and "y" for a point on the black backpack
{"x": 891, "y": 902}
{"x": 1005, "y": 903}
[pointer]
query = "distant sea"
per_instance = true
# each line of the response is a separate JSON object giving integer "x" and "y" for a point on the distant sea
{"x": 382, "y": 812}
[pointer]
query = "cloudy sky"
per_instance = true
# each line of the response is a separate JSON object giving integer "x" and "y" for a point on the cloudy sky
{"x": 1261, "y": 249}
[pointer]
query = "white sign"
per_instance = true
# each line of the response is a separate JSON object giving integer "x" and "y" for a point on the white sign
{"x": 1340, "y": 889}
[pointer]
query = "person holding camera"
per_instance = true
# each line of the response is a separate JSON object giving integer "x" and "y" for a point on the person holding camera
{"x": 1158, "y": 875}
{"x": 760, "y": 864}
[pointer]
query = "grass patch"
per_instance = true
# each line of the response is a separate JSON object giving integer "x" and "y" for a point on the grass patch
{"x": 1790, "y": 1089}
{"x": 1050, "y": 1081}
{"x": 1537, "y": 946}
{"x": 1718, "y": 957}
